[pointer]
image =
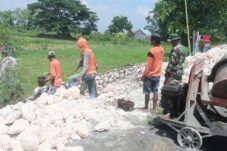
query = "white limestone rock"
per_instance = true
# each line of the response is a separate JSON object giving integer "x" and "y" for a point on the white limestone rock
{"x": 16, "y": 146}
{"x": 3, "y": 129}
{"x": 18, "y": 126}
{"x": 12, "y": 117}
{"x": 43, "y": 99}
{"x": 72, "y": 93}
{"x": 102, "y": 126}
{"x": 30, "y": 138}
{"x": 5, "y": 142}
{"x": 28, "y": 111}
{"x": 83, "y": 131}
{"x": 75, "y": 137}
{"x": 29, "y": 141}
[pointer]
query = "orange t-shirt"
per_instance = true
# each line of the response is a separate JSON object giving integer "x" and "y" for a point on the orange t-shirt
{"x": 154, "y": 62}
{"x": 91, "y": 62}
{"x": 56, "y": 71}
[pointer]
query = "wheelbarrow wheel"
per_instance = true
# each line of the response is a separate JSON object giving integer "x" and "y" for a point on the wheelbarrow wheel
{"x": 189, "y": 138}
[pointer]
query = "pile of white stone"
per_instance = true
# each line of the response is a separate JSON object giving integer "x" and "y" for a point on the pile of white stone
{"x": 50, "y": 122}
{"x": 210, "y": 58}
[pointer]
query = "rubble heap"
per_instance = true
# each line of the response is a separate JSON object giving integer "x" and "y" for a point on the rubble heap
{"x": 52, "y": 121}
{"x": 210, "y": 58}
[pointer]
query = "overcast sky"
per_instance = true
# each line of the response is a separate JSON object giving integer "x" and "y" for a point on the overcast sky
{"x": 135, "y": 10}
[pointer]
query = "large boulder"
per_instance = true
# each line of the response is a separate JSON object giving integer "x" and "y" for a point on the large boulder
{"x": 18, "y": 126}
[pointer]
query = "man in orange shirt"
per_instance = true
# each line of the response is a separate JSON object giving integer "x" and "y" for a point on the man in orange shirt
{"x": 88, "y": 72}
{"x": 152, "y": 72}
{"x": 55, "y": 77}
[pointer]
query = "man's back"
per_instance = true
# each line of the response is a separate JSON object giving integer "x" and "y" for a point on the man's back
{"x": 154, "y": 63}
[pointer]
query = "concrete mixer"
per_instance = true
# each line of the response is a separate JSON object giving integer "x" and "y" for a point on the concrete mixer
{"x": 205, "y": 113}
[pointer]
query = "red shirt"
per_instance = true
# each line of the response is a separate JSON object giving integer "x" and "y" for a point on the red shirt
{"x": 206, "y": 39}
{"x": 154, "y": 62}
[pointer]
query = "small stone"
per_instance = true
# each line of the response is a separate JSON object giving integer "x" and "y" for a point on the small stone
{"x": 102, "y": 126}
{"x": 75, "y": 137}
{"x": 83, "y": 131}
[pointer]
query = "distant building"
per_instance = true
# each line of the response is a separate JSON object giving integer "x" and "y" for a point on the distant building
{"x": 139, "y": 34}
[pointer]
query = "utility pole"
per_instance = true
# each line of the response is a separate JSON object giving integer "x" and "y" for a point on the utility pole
{"x": 188, "y": 31}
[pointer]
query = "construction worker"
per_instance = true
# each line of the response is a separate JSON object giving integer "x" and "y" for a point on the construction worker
{"x": 55, "y": 76}
{"x": 174, "y": 72}
{"x": 73, "y": 78}
{"x": 88, "y": 72}
{"x": 175, "y": 68}
{"x": 152, "y": 72}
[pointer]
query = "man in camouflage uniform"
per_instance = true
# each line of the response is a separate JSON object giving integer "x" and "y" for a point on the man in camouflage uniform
{"x": 174, "y": 73}
{"x": 175, "y": 68}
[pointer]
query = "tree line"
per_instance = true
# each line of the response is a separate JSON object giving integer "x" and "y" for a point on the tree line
{"x": 60, "y": 16}
{"x": 205, "y": 16}
{"x": 63, "y": 17}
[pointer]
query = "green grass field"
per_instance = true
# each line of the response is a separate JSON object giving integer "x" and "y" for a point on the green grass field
{"x": 32, "y": 56}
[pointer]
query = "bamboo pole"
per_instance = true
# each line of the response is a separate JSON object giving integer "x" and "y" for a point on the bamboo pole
{"x": 187, "y": 22}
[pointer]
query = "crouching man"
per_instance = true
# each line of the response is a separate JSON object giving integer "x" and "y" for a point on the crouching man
{"x": 152, "y": 72}
{"x": 55, "y": 76}
{"x": 88, "y": 72}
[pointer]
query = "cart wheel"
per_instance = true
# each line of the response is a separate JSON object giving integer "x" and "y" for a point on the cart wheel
{"x": 189, "y": 138}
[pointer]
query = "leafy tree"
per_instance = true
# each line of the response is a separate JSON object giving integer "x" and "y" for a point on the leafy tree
{"x": 206, "y": 16}
{"x": 120, "y": 38}
{"x": 7, "y": 18}
{"x": 22, "y": 17}
{"x": 120, "y": 24}
{"x": 63, "y": 16}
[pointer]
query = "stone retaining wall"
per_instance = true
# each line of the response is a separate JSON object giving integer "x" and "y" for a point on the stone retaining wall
{"x": 133, "y": 71}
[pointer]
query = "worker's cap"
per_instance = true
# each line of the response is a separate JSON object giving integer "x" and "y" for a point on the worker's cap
{"x": 173, "y": 37}
{"x": 51, "y": 54}
{"x": 156, "y": 35}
